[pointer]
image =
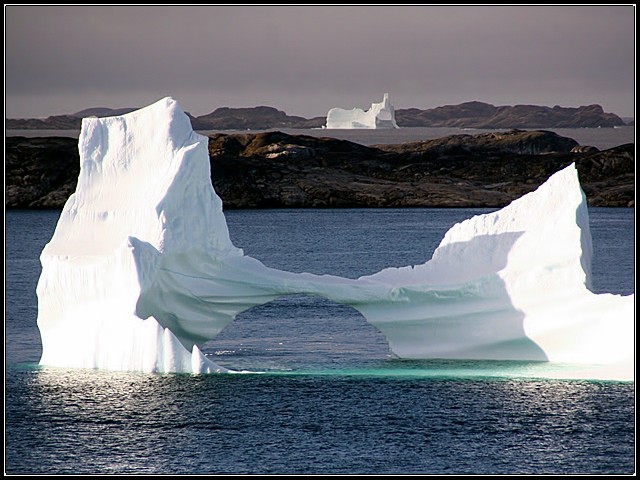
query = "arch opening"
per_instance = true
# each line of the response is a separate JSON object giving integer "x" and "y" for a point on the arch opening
{"x": 298, "y": 332}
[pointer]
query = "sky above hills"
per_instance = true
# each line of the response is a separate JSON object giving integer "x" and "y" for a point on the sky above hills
{"x": 306, "y": 59}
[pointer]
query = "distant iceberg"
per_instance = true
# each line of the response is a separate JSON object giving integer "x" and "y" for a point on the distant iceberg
{"x": 141, "y": 272}
{"x": 380, "y": 115}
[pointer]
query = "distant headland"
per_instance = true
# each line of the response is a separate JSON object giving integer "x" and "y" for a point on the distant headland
{"x": 473, "y": 114}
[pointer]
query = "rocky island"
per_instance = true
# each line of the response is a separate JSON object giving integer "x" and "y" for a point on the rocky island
{"x": 277, "y": 170}
{"x": 485, "y": 115}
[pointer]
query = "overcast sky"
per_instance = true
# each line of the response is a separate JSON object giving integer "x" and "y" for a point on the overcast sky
{"x": 306, "y": 59}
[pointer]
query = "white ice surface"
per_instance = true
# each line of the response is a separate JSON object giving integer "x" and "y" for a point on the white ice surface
{"x": 140, "y": 271}
{"x": 380, "y": 115}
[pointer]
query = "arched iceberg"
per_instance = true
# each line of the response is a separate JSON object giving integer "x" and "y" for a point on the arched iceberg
{"x": 380, "y": 115}
{"x": 141, "y": 271}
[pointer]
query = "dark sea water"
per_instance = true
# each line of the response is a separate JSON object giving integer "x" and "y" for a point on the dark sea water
{"x": 330, "y": 400}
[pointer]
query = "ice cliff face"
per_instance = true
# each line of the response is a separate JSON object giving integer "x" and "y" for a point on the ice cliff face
{"x": 140, "y": 271}
{"x": 380, "y": 115}
{"x": 138, "y": 172}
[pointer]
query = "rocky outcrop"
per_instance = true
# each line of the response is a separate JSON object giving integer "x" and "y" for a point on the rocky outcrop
{"x": 489, "y": 170}
{"x": 40, "y": 172}
{"x": 255, "y": 118}
{"x": 56, "y": 122}
{"x": 485, "y": 115}
{"x": 514, "y": 141}
{"x": 103, "y": 112}
{"x": 275, "y": 170}
{"x": 63, "y": 122}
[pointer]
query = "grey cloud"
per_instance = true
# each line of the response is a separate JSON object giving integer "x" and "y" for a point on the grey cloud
{"x": 306, "y": 59}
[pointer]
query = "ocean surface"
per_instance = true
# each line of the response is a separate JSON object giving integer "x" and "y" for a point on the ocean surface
{"x": 330, "y": 398}
{"x": 601, "y": 138}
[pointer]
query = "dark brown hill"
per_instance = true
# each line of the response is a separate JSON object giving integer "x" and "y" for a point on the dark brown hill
{"x": 487, "y": 116}
{"x": 254, "y": 118}
{"x": 275, "y": 170}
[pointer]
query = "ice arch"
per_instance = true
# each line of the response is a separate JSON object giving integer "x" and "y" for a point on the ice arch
{"x": 140, "y": 271}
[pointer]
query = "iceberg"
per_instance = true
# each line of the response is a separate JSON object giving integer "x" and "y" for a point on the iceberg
{"x": 141, "y": 271}
{"x": 380, "y": 115}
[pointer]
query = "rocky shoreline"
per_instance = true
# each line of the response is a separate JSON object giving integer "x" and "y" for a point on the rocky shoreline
{"x": 278, "y": 170}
